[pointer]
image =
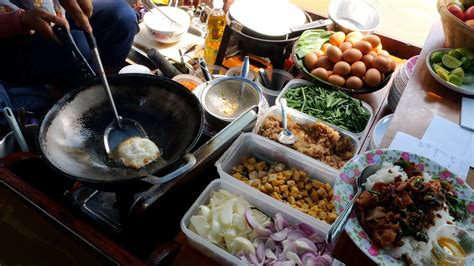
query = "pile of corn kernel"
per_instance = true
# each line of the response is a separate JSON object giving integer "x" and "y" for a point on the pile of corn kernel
{"x": 291, "y": 186}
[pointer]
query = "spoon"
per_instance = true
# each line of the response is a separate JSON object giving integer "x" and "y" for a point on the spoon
{"x": 265, "y": 79}
{"x": 338, "y": 226}
{"x": 205, "y": 70}
{"x": 285, "y": 136}
{"x": 121, "y": 128}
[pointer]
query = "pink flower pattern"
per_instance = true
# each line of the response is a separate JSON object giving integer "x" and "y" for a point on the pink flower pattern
{"x": 460, "y": 181}
{"x": 363, "y": 235}
{"x": 470, "y": 207}
{"x": 405, "y": 156}
{"x": 373, "y": 251}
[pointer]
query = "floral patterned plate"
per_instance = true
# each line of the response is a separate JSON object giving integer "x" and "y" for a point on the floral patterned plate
{"x": 344, "y": 191}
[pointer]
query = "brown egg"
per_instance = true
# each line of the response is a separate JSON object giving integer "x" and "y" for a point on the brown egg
{"x": 358, "y": 69}
{"x": 377, "y": 49}
{"x": 384, "y": 53}
{"x": 334, "y": 54}
{"x": 351, "y": 55}
{"x": 374, "y": 54}
{"x": 352, "y": 40}
{"x": 364, "y": 46}
{"x": 345, "y": 45}
{"x": 354, "y": 83}
{"x": 372, "y": 39}
{"x": 310, "y": 60}
{"x": 342, "y": 68}
{"x": 393, "y": 65}
{"x": 372, "y": 78}
{"x": 319, "y": 53}
{"x": 355, "y": 34}
{"x": 367, "y": 59}
{"x": 336, "y": 80}
{"x": 382, "y": 64}
{"x": 330, "y": 72}
{"x": 324, "y": 62}
{"x": 320, "y": 73}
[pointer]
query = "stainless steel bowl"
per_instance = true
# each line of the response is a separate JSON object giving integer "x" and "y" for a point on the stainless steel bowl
{"x": 354, "y": 16}
{"x": 222, "y": 101}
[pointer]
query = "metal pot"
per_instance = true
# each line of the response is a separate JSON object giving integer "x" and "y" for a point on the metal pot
{"x": 223, "y": 103}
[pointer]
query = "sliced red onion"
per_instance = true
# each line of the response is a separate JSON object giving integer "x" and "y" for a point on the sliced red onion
{"x": 261, "y": 252}
{"x": 294, "y": 235}
{"x": 308, "y": 257}
{"x": 304, "y": 244}
{"x": 256, "y": 226}
{"x": 307, "y": 229}
{"x": 324, "y": 260}
{"x": 269, "y": 243}
{"x": 284, "y": 263}
{"x": 280, "y": 236}
{"x": 316, "y": 238}
{"x": 280, "y": 222}
{"x": 253, "y": 259}
{"x": 294, "y": 257}
{"x": 270, "y": 255}
{"x": 244, "y": 259}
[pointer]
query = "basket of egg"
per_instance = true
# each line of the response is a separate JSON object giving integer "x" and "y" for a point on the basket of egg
{"x": 352, "y": 63}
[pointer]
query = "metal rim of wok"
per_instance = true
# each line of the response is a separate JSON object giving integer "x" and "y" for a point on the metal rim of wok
{"x": 150, "y": 86}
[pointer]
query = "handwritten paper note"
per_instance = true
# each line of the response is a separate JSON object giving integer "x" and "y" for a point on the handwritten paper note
{"x": 451, "y": 138}
{"x": 411, "y": 144}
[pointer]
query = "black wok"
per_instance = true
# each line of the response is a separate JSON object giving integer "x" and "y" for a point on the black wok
{"x": 70, "y": 137}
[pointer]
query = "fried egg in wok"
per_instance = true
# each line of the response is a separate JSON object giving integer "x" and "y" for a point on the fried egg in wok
{"x": 136, "y": 152}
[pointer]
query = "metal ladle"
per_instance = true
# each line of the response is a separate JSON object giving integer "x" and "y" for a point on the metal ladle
{"x": 338, "y": 226}
{"x": 285, "y": 136}
{"x": 121, "y": 128}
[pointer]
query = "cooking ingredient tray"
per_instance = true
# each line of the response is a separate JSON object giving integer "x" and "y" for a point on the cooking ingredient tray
{"x": 300, "y": 82}
{"x": 217, "y": 253}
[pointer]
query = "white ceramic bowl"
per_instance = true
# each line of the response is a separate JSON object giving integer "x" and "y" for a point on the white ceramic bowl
{"x": 161, "y": 29}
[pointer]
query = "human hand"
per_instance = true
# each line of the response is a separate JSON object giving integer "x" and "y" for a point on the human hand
{"x": 39, "y": 20}
{"x": 80, "y": 11}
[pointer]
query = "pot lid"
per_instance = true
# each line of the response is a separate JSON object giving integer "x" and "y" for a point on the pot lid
{"x": 267, "y": 17}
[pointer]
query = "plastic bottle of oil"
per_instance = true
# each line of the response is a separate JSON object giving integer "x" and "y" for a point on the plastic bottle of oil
{"x": 216, "y": 23}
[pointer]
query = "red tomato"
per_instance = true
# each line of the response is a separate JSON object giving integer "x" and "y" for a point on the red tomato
{"x": 469, "y": 13}
{"x": 457, "y": 11}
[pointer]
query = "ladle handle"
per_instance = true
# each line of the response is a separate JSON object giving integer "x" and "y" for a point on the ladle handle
{"x": 265, "y": 79}
{"x": 312, "y": 25}
{"x": 245, "y": 67}
{"x": 284, "y": 121}
{"x": 338, "y": 226}
{"x": 95, "y": 52}
{"x": 15, "y": 129}
{"x": 205, "y": 70}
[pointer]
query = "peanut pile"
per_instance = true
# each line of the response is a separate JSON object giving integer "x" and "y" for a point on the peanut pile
{"x": 291, "y": 186}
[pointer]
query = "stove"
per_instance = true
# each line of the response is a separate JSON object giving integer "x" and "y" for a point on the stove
{"x": 115, "y": 210}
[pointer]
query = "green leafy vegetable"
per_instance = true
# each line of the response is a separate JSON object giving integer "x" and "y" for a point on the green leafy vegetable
{"x": 311, "y": 40}
{"x": 334, "y": 107}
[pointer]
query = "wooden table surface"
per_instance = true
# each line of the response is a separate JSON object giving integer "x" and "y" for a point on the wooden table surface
{"x": 424, "y": 97}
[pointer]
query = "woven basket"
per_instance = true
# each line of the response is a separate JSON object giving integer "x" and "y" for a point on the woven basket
{"x": 456, "y": 32}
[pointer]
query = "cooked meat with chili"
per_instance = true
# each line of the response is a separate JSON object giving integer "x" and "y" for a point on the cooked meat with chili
{"x": 316, "y": 140}
{"x": 390, "y": 211}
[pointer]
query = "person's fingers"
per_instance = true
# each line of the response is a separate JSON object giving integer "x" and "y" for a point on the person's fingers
{"x": 44, "y": 28}
{"x": 54, "y": 19}
{"x": 86, "y": 6}
{"x": 75, "y": 11}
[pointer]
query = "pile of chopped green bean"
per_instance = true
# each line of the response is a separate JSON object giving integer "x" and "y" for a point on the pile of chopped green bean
{"x": 334, "y": 107}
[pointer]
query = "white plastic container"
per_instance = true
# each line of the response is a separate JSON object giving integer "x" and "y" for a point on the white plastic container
{"x": 215, "y": 252}
{"x": 253, "y": 145}
{"x": 300, "y": 82}
{"x": 304, "y": 119}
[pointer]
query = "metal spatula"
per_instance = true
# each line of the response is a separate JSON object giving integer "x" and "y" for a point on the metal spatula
{"x": 121, "y": 128}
